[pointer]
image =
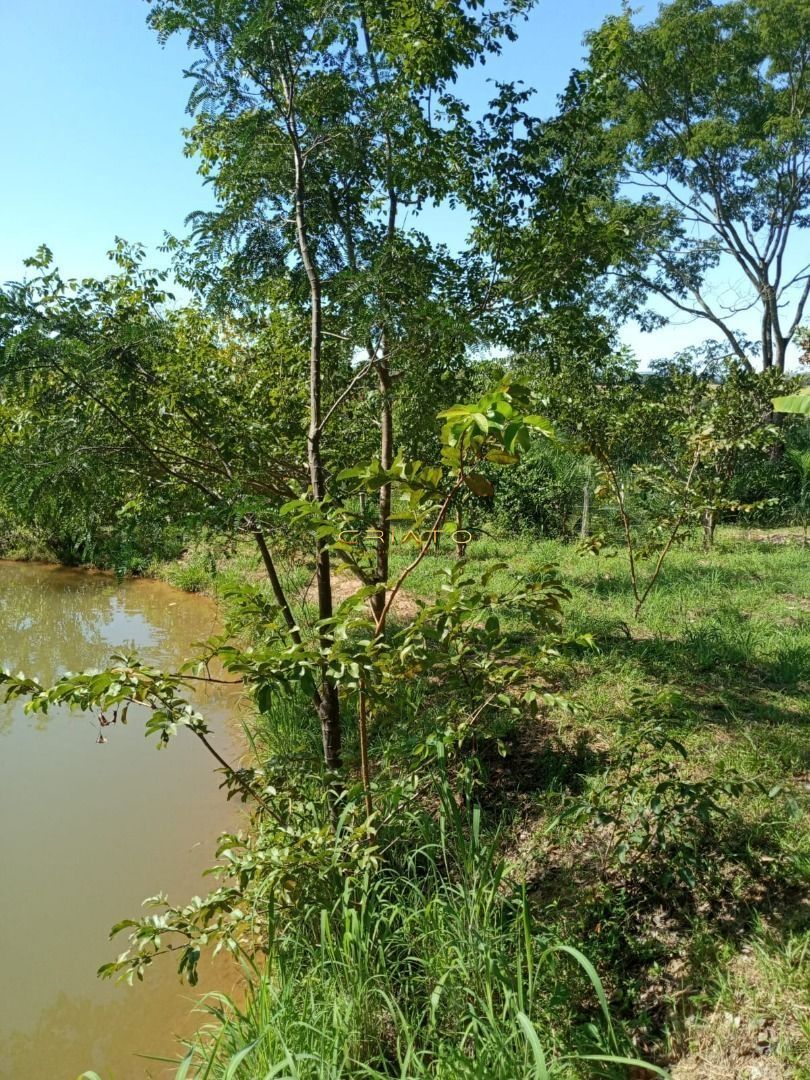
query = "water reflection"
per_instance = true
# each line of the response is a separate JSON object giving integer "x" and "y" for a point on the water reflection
{"x": 87, "y": 831}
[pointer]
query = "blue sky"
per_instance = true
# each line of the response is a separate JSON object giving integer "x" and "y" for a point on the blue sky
{"x": 92, "y": 114}
{"x": 93, "y": 111}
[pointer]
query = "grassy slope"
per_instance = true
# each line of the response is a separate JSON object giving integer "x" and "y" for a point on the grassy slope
{"x": 724, "y": 981}
{"x": 719, "y": 980}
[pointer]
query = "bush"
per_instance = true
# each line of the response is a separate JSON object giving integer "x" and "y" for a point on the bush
{"x": 544, "y": 493}
{"x": 18, "y": 541}
{"x": 191, "y": 577}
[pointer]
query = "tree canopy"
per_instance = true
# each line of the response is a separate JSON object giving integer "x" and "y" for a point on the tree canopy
{"x": 682, "y": 148}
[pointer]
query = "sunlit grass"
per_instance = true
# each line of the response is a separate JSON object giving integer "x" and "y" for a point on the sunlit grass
{"x": 730, "y": 630}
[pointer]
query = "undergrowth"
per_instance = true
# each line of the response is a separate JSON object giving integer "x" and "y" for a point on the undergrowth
{"x": 432, "y": 965}
{"x": 652, "y": 819}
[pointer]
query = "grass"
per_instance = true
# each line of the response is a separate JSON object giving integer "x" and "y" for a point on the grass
{"x": 429, "y": 968}
{"x": 711, "y": 980}
{"x": 730, "y": 631}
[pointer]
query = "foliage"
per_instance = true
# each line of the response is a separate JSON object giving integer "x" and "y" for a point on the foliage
{"x": 658, "y": 820}
{"x": 730, "y": 418}
{"x": 544, "y": 492}
{"x": 668, "y": 448}
{"x": 705, "y": 112}
{"x": 800, "y": 460}
{"x": 726, "y": 630}
{"x": 455, "y": 645}
{"x": 793, "y": 403}
{"x": 291, "y": 400}
{"x": 128, "y": 425}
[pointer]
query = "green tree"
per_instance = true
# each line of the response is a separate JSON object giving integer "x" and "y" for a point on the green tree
{"x": 706, "y": 113}
{"x": 316, "y": 125}
{"x": 116, "y": 403}
{"x": 671, "y": 448}
{"x": 727, "y": 416}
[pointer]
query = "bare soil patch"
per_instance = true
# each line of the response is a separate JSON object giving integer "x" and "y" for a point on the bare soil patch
{"x": 345, "y": 585}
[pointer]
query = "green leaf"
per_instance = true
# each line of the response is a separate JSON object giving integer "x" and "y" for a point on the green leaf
{"x": 794, "y": 403}
{"x": 540, "y": 1067}
{"x": 541, "y": 424}
{"x": 237, "y": 1059}
{"x": 185, "y": 1065}
{"x": 501, "y": 457}
{"x": 630, "y": 1062}
{"x": 595, "y": 981}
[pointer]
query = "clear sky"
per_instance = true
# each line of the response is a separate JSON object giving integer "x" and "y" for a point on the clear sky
{"x": 93, "y": 109}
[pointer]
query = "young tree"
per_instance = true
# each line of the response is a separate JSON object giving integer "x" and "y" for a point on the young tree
{"x": 316, "y": 125}
{"x": 471, "y": 671}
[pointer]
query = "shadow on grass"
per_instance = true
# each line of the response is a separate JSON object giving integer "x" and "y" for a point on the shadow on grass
{"x": 731, "y": 661}
{"x": 708, "y": 579}
{"x": 660, "y": 946}
{"x": 724, "y": 662}
{"x": 536, "y": 762}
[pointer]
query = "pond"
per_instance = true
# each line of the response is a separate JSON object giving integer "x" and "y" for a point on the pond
{"x": 89, "y": 829}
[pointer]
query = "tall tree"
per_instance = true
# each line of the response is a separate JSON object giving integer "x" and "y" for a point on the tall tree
{"x": 317, "y": 124}
{"x": 706, "y": 111}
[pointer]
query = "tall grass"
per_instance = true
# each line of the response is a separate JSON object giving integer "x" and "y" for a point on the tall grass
{"x": 431, "y": 967}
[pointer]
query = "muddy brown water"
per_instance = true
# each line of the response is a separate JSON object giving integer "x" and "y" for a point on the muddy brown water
{"x": 88, "y": 830}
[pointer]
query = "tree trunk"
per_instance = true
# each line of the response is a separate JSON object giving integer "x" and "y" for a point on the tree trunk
{"x": 709, "y": 525}
{"x": 383, "y": 369}
{"x": 777, "y": 345}
{"x": 386, "y": 461}
{"x": 275, "y": 584}
{"x": 767, "y": 342}
{"x": 585, "y": 525}
{"x": 329, "y": 706}
{"x": 779, "y": 354}
{"x": 461, "y": 546}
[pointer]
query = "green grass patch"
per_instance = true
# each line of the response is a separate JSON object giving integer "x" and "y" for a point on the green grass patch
{"x": 423, "y": 988}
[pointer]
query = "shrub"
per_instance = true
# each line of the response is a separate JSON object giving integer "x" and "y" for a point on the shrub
{"x": 544, "y": 493}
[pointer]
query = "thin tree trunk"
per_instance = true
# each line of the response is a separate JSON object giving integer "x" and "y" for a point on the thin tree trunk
{"x": 778, "y": 342}
{"x": 275, "y": 584}
{"x": 767, "y": 343}
{"x": 585, "y": 525}
{"x": 709, "y": 523}
{"x": 386, "y": 461}
{"x": 365, "y": 772}
{"x": 378, "y": 601}
{"x": 461, "y": 546}
{"x": 779, "y": 354}
{"x": 329, "y": 705}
